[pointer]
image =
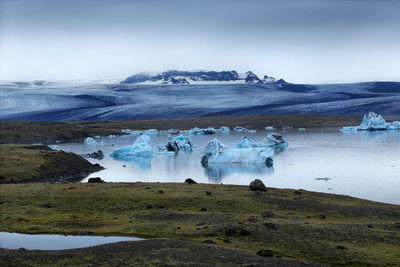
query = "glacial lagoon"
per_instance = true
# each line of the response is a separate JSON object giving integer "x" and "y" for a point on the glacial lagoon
{"x": 361, "y": 164}
{"x": 56, "y": 242}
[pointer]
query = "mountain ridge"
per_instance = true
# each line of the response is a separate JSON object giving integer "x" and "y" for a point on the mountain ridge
{"x": 195, "y": 77}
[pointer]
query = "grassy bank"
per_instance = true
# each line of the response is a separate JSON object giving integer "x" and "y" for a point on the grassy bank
{"x": 30, "y": 163}
{"x": 298, "y": 224}
{"x": 19, "y": 131}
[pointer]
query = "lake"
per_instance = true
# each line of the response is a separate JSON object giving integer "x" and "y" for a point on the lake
{"x": 361, "y": 164}
{"x": 55, "y": 242}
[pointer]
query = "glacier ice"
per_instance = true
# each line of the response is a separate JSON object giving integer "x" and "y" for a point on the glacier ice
{"x": 140, "y": 148}
{"x": 198, "y": 131}
{"x": 269, "y": 128}
{"x": 150, "y": 131}
{"x": 239, "y": 129}
{"x": 224, "y": 129}
{"x": 54, "y": 147}
{"x": 216, "y": 152}
{"x": 90, "y": 141}
{"x": 372, "y": 122}
{"x": 180, "y": 142}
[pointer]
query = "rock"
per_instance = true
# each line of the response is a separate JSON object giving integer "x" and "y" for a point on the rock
{"x": 95, "y": 180}
{"x": 84, "y": 232}
{"x": 209, "y": 241}
{"x": 265, "y": 253}
{"x": 235, "y": 231}
{"x": 203, "y": 209}
{"x": 297, "y": 192}
{"x": 149, "y": 207}
{"x": 341, "y": 247}
{"x": 257, "y": 184}
{"x": 190, "y": 181}
{"x": 267, "y": 214}
{"x": 397, "y": 225}
{"x": 370, "y": 225}
{"x": 208, "y": 193}
{"x": 160, "y": 191}
{"x": 97, "y": 155}
{"x": 322, "y": 216}
{"x": 270, "y": 226}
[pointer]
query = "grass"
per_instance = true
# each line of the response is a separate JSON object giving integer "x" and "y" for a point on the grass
{"x": 26, "y": 163}
{"x": 231, "y": 216}
{"x": 25, "y": 132}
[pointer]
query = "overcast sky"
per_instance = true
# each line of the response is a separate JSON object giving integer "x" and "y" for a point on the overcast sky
{"x": 312, "y": 41}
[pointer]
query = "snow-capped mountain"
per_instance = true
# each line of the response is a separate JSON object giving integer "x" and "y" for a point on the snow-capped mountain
{"x": 197, "y": 77}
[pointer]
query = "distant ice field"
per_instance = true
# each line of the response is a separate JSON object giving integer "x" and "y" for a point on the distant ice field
{"x": 60, "y": 101}
{"x": 360, "y": 164}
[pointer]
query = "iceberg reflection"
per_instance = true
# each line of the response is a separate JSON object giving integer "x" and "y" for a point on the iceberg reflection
{"x": 216, "y": 172}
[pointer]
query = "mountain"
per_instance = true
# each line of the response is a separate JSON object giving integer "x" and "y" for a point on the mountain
{"x": 197, "y": 77}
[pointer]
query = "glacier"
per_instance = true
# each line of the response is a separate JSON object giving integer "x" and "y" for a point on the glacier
{"x": 65, "y": 101}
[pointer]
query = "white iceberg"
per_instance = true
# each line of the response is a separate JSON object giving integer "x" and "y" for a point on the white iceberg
{"x": 224, "y": 129}
{"x": 198, "y": 131}
{"x": 90, "y": 141}
{"x": 239, "y": 129}
{"x": 150, "y": 131}
{"x": 269, "y": 128}
{"x": 272, "y": 140}
{"x": 372, "y": 122}
{"x": 302, "y": 129}
{"x": 140, "y": 148}
{"x": 180, "y": 142}
{"x": 216, "y": 152}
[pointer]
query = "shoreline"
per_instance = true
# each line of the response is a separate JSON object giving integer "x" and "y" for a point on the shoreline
{"x": 231, "y": 216}
{"x": 52, "y": 132}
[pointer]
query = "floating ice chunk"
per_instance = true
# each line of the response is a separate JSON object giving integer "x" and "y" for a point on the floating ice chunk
{"x": 128, "y": 131}
{"x": 250, "y": 131}
{"x": 224, "y": 129}
{"x": 173, "y": 131}
{"x": 302, "y": 129}
{"x": 111, "y": 136}
{"x": 150, "y": 131}
{"x": 373, "y": 122}
{"x": 90, "y": 141}
{"x": 269, "y": 128}
{"x": 216, "y": 152}
{"x": 140, "y": 148}
{"x": 275, "y": 139}
{"x": 54, "y": 147}
{"x": 180, "y": 142}
{"x": 394, "y": 126}
{"x": 349, "y": 129}
{"x": 286, "y": 127}
{"x": 198, "y": 131}
{"x": 239, "y": 129}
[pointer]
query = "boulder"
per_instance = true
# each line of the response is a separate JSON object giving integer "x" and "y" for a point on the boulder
{"x": 257, "y": 184}
{"x": 190, "y": 181}
{"x": 95, "y": 180}
{"x": 267, "y": 214}
{"x": 265, "y": 253}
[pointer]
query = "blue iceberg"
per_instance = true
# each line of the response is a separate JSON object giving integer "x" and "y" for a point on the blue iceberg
{"x": 373, "y": 122}
{"x": 140, "y": 148}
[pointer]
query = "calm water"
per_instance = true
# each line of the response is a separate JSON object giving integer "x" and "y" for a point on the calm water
{"x": 55, "y": 242}
{"x": 360, "y": 164}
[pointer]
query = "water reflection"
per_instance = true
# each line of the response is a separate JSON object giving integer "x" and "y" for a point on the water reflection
{"x": 216, "y": 172}
{"x": 143, "y": 163}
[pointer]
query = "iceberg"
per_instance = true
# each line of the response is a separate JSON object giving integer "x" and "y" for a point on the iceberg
{"x": 150, "y": 131}
{"x": 180, "y": 142}
{"x": 372, "y": 122}
{"x": 90, "y": 141}
{"x": 198, "y": 131}
{"x": 140, "y": 148}
{"x": 272, "y": 140}
{"x": 216, "y": 152}
{"x": 239, "y": 129}
{"x": 269, "y": 128}
{"x": 302, "y": 129}
{"x": 224, "y": 129}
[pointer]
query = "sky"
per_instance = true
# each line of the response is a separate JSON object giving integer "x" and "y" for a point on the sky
{"x": 310, "y": 41}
